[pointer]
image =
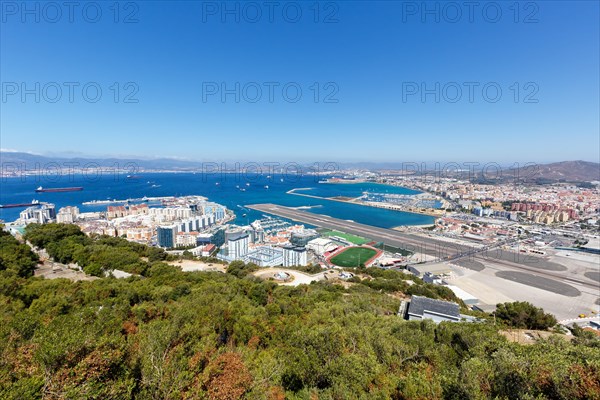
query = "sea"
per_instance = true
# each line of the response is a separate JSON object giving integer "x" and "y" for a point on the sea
{"x": 234, "y": 191}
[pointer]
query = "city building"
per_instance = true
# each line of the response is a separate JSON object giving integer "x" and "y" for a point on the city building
{"x": 437, "y": 310}
{"x": 186, "y": 239}
{"x": 301, "y": 238}
{"x": 166, "y": 236}
{"x": 42, "y": 214}
{"x": 237, "y": 246}
{"x": 294, "y": 256}
{"x": 321, "y": 246}
{"x": 265, "y": 256}
{"x": 204, "y": 250}
{"x": 67, "y": 215}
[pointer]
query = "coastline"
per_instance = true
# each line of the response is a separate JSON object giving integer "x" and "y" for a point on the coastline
{"x": 403, "y": 227}
{"x": 365, "y": 204}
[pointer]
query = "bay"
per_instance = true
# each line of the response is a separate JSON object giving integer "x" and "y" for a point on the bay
{"x": 231, "y": 190}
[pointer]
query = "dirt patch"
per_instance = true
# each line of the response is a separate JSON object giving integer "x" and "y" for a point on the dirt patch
{"x": 527, "y": 336}
{"x": 52, "y": 270}
{"x": 193, "y": 265}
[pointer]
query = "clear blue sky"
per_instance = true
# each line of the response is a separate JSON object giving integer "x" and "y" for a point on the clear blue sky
{"x": 371, "y": 55}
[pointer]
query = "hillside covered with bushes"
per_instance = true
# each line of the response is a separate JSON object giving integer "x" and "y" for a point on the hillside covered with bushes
{"x": 208, "y": 335}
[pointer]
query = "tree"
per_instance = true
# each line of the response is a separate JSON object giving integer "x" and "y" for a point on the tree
{"x": 524, "y": 315}
{"x": 240, "y": 269}
{"x": 16, "y": 257}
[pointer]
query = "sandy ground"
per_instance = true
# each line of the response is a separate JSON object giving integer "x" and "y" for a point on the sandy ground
{"x": 525, "y": 336}
{"x": 49, "y": 269}
{"x": 298, "y": 278}
{"x": 52, "y": 270}
{"x": 191, "y": 265}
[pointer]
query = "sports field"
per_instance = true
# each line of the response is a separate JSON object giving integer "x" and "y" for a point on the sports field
{"x": 351, "y": 238}
{"x": 353, "y": 257}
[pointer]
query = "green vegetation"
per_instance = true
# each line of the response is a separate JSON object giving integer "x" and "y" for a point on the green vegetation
{"x": 351, "y": 238}
{"x": 353, "y": 257}
{"x": 524, "y": 315}
{"x": 209, "y": 335}
{"x": 97, "y": 254}
{"x": 16, "y": 257}
{"x": 241, "y": 269}
{"x": 392, "y": 281}
{"x": 309, "y": 269}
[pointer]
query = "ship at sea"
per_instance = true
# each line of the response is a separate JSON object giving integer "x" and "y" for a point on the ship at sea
{"x": 18, "y": 205}
{"x": 54, "y": 190}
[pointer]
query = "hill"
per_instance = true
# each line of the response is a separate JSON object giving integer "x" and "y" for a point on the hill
{"x": 230, "y": 336}
{"x": 566, "y": 171}
{"x": 570, "y": 171}
{"x": 31, "y": 160}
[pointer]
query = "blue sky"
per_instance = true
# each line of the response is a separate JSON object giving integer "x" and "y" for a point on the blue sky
{"x": 369, "y": 63}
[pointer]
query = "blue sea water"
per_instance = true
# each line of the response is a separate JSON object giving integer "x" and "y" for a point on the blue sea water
{"x": 224, "y": 189}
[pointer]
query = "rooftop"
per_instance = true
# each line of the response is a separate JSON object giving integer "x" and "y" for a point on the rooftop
{"x": 420, "y": 306}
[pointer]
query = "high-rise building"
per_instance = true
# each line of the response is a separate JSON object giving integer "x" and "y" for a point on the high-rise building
{"x": 238, "y": 246}
{"x": 166, "y": 235}
{"x": 294, "y": 256}
{"x": 218, "y": 236}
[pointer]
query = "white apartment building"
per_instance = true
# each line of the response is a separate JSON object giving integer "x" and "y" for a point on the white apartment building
{"x": 67, "y": 215}
{"x": 238, "y": 247}
{"x": 294, "y": 256}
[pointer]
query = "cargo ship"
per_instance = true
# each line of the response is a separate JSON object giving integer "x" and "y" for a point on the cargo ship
{"x": 17, "y": 205}
{"x": 54, "y": 190}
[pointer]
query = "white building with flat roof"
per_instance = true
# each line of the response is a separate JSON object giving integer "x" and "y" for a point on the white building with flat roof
{"x": 321, "y": 245}
{"x": 294, "y": 256}
{"x": 238, "y": 247}
{"x": 67, "y": 215}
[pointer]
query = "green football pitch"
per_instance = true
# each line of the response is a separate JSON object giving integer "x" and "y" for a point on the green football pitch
{"x": 353, "y": 257}
{"x": 351, "y": 238}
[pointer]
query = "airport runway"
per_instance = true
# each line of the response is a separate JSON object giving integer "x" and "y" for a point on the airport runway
{"x": 445, "y": 251}
{"x": 418, "y": 244}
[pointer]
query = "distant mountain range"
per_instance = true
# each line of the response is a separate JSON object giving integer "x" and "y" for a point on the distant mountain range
{"x": 30, "y": 161}
{"x": 564, "y": 171}
{"x": 571, "y": 171}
